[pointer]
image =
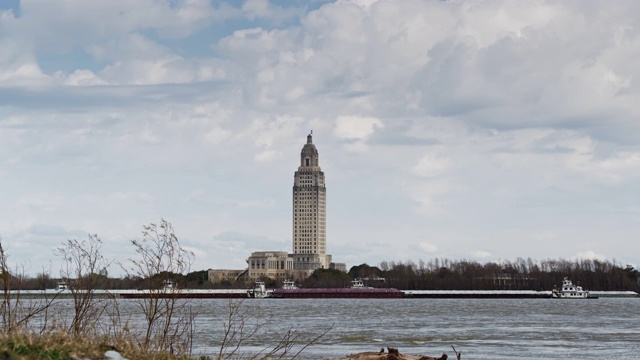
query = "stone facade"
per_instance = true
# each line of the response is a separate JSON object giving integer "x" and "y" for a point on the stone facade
{"x": 310, "y": 211}
{"x": 277, "y": 265}
{"x": 272, "y": 264}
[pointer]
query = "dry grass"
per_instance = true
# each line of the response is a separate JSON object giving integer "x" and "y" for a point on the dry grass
{"x": 54, "y": 345}
{"x": 62, "y": 345}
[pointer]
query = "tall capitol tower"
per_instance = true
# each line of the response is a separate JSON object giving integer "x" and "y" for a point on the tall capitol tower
{"x": 309, "y": 212}
{"x": 309, "y": 231}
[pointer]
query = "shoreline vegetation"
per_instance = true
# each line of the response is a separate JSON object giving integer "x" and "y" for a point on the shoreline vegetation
{"x": 93, "y": 325}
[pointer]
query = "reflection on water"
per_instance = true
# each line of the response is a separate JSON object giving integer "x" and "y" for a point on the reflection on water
{"x": 480, "y": 328}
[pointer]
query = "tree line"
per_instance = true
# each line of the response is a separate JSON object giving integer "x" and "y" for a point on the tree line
{"x": 521, "y": 274}
{"x": 46, "y": 280}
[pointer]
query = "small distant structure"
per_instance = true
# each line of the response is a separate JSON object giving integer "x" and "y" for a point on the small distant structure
{"x": 569, "y": 291}
{"x": 168, "y": 285}
{"x": 62, "y": 285}
{"x": 259, "y": 290}
{"x": 289, "y": 284}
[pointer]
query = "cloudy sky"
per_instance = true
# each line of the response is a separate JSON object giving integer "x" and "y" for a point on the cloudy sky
{"x": 480, "y": 130}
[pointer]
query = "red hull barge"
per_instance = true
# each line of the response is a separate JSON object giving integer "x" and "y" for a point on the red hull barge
{"x": 345, "y": 293}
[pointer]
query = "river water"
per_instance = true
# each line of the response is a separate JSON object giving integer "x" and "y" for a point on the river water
{"x": 479, "y": 328}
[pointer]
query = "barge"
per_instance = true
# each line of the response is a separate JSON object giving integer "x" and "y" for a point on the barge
{"x": 476, "y": 294}
{"x": 339, "y": 293}
{"x": 182, "y": 294}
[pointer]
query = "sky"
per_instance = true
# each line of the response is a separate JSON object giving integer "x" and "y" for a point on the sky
{"x": 468, "y": 130}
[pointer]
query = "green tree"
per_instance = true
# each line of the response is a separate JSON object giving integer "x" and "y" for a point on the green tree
{"x": 328, "y": 278}
{"x": 365, "y": 271}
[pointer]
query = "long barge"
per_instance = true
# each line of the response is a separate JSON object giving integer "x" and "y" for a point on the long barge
{"x": 183, "y": 294}
{"x": 344, "y": 293}
{"x": 476, "y": 294}
{"x": 339, "y": 293}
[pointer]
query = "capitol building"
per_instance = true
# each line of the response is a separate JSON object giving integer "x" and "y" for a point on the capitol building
{"x": 309, "y": 232}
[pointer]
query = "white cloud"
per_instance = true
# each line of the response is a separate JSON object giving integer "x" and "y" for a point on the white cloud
{"x": 253, "y": 9}
{"x": 166, "y": 70}
{"x": 428, "y": 247}
{"x": 217, "y": 135}
{"x": 83, "y": 78}
{"x": 18, "y": 66}
{"x": 429, "y": 195}
{"x": 197, "y": 252}
{"x": 481, "y": 254}
{"x": 256, "y": 41}
{"x": 356, "y": 127}
{"x": 267, "y": 155}
{"x": 616, "y": 168}
{"x": 430, "y": 166}
{"x": 268, "y": 132}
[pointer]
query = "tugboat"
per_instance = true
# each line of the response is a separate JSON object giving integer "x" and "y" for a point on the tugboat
{"x": 62, "y": 286}
{"x": 168, "y": 285}
{"x": 289, "y": 284}
{"x": 569, "y": 291}
{"x": 359, "y": 284}
{"x": 259, "y": 291}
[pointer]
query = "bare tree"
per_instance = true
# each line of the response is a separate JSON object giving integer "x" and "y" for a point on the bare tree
{"x": 169, "y": 319}
{"x": 85, "y": 270}
{"x": 240, "y": 324}
{"x": 6, "y": 310}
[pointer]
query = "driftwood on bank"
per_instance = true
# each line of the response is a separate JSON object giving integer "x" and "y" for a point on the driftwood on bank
{"x": 393, "y": 354}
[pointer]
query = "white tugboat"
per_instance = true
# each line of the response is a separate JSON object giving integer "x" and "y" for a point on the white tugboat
{"x": 289, "y": 284}
{"x": 62, "y": 286}
{"x": 259, "y": 290}
{"x": 359, "y": 284}
{"x": 569, "y": 291}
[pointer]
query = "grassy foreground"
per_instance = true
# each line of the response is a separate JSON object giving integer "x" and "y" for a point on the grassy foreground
{"x": 57, "y": 345}
{"x": 60, "y": 345}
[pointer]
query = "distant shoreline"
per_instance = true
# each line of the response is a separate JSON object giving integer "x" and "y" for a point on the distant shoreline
{"x": 330, "y": 293}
